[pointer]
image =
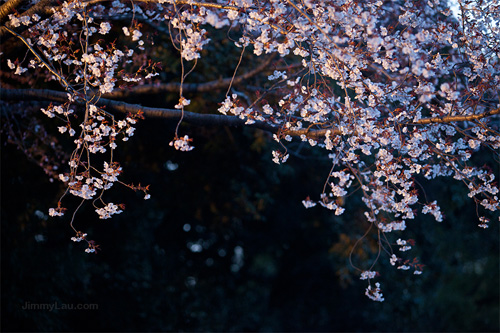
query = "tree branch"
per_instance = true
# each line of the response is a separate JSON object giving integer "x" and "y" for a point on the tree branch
{"x": 204, "y": 119}
{"x": 190, "y": 87}
{"x": 40, "y": 8}
{"x": 45, "y": 63}
{"x": 8, "y": 7}
{"x": 452, "y": 119}
{"x": 189, "y": 117}
{"x": 177, "y": 2}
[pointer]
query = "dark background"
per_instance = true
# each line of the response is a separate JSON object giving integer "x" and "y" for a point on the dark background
{"x": 295, "y": 274}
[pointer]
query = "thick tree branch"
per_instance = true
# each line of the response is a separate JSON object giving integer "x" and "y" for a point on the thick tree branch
{"x": 454, "y": 119}
{"x": 40, "y": 8}
{"x": 111, "y": 105}
{"x": 190, "y": 87}
{"x": 203, "y": 119}
{"x": 177, "y": 2}
{"x": 8, "y": 7}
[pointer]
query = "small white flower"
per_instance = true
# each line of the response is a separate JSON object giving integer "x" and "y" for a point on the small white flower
{"x": 63, "y": 177}
{"x": 279, "y": 157}
{"x": 10, "y": 64}
{"x": 374, "y": 294}
{"x": 366, "y": 275}
{"x": 136, "y": 35}
{"x": 308, "y": 203}
{"x": 14, "y": 21}
{"x": 104, "y": 28}
{"x": 182, "y": 103}
{"x": 20, "y": 70}
{"x": 182, "y": 144}
{"x": 53, "y": 212}
{"x": 130, "y": 131}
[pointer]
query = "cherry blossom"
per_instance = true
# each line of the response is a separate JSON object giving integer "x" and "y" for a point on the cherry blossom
{"x": 389, "y": 91}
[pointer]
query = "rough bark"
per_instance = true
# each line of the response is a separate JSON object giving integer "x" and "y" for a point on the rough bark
{"x": 8, "y": 7}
